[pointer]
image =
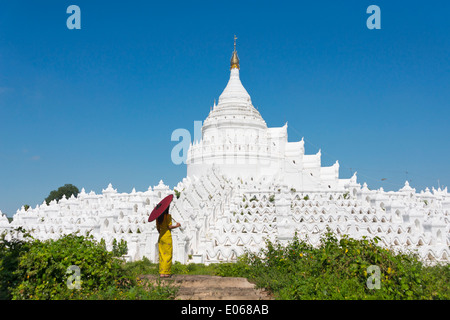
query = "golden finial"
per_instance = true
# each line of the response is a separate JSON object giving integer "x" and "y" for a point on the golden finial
{"x": 234, "y": 58}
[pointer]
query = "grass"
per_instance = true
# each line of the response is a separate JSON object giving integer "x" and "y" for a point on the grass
{"x": 144, "y": 267}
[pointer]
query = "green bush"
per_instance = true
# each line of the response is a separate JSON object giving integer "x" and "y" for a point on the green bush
{"x": 34, "y": 269}
{"x": 43, "y": 268}
{"x": 337, "y": 269}
{"x": 10, "y": 251}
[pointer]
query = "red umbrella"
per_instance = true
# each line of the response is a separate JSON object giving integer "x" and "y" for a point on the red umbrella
{"x": 160, "y": 208}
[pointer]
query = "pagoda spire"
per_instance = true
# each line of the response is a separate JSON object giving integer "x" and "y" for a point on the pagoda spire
{"x": 234, "y": 63}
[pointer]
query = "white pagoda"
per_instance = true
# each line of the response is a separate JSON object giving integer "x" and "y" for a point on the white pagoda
{"x": 246, "y": 183}
{"x": 236, "y": 140}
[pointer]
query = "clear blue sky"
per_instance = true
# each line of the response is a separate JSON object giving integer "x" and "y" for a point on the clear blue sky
{"x": 98, "y": 105}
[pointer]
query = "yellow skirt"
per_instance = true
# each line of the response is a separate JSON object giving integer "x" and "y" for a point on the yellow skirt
{"x": 165, "y": 253}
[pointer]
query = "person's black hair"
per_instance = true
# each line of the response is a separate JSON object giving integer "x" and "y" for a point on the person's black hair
{"x": 161, "y": 217}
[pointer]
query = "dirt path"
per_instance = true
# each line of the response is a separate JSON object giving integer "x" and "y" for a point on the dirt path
{"x": 202, "y": 287}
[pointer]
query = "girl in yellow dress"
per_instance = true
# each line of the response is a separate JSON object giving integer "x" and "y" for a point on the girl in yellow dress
{"x": 164, "y": 225}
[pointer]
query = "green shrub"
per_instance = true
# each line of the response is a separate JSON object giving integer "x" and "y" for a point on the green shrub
{"x": 10, "y": 251}
{"x": 337, "y": 269}
{"x": 43, "y": 268}
{"x": 35, "y": 269}
{"x": 119, "y": 248}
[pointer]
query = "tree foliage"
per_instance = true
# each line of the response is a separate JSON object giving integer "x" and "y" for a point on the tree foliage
{"x": 66, "y": 190}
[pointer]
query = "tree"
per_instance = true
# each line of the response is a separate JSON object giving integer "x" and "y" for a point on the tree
{"x": 68, "y": 190}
